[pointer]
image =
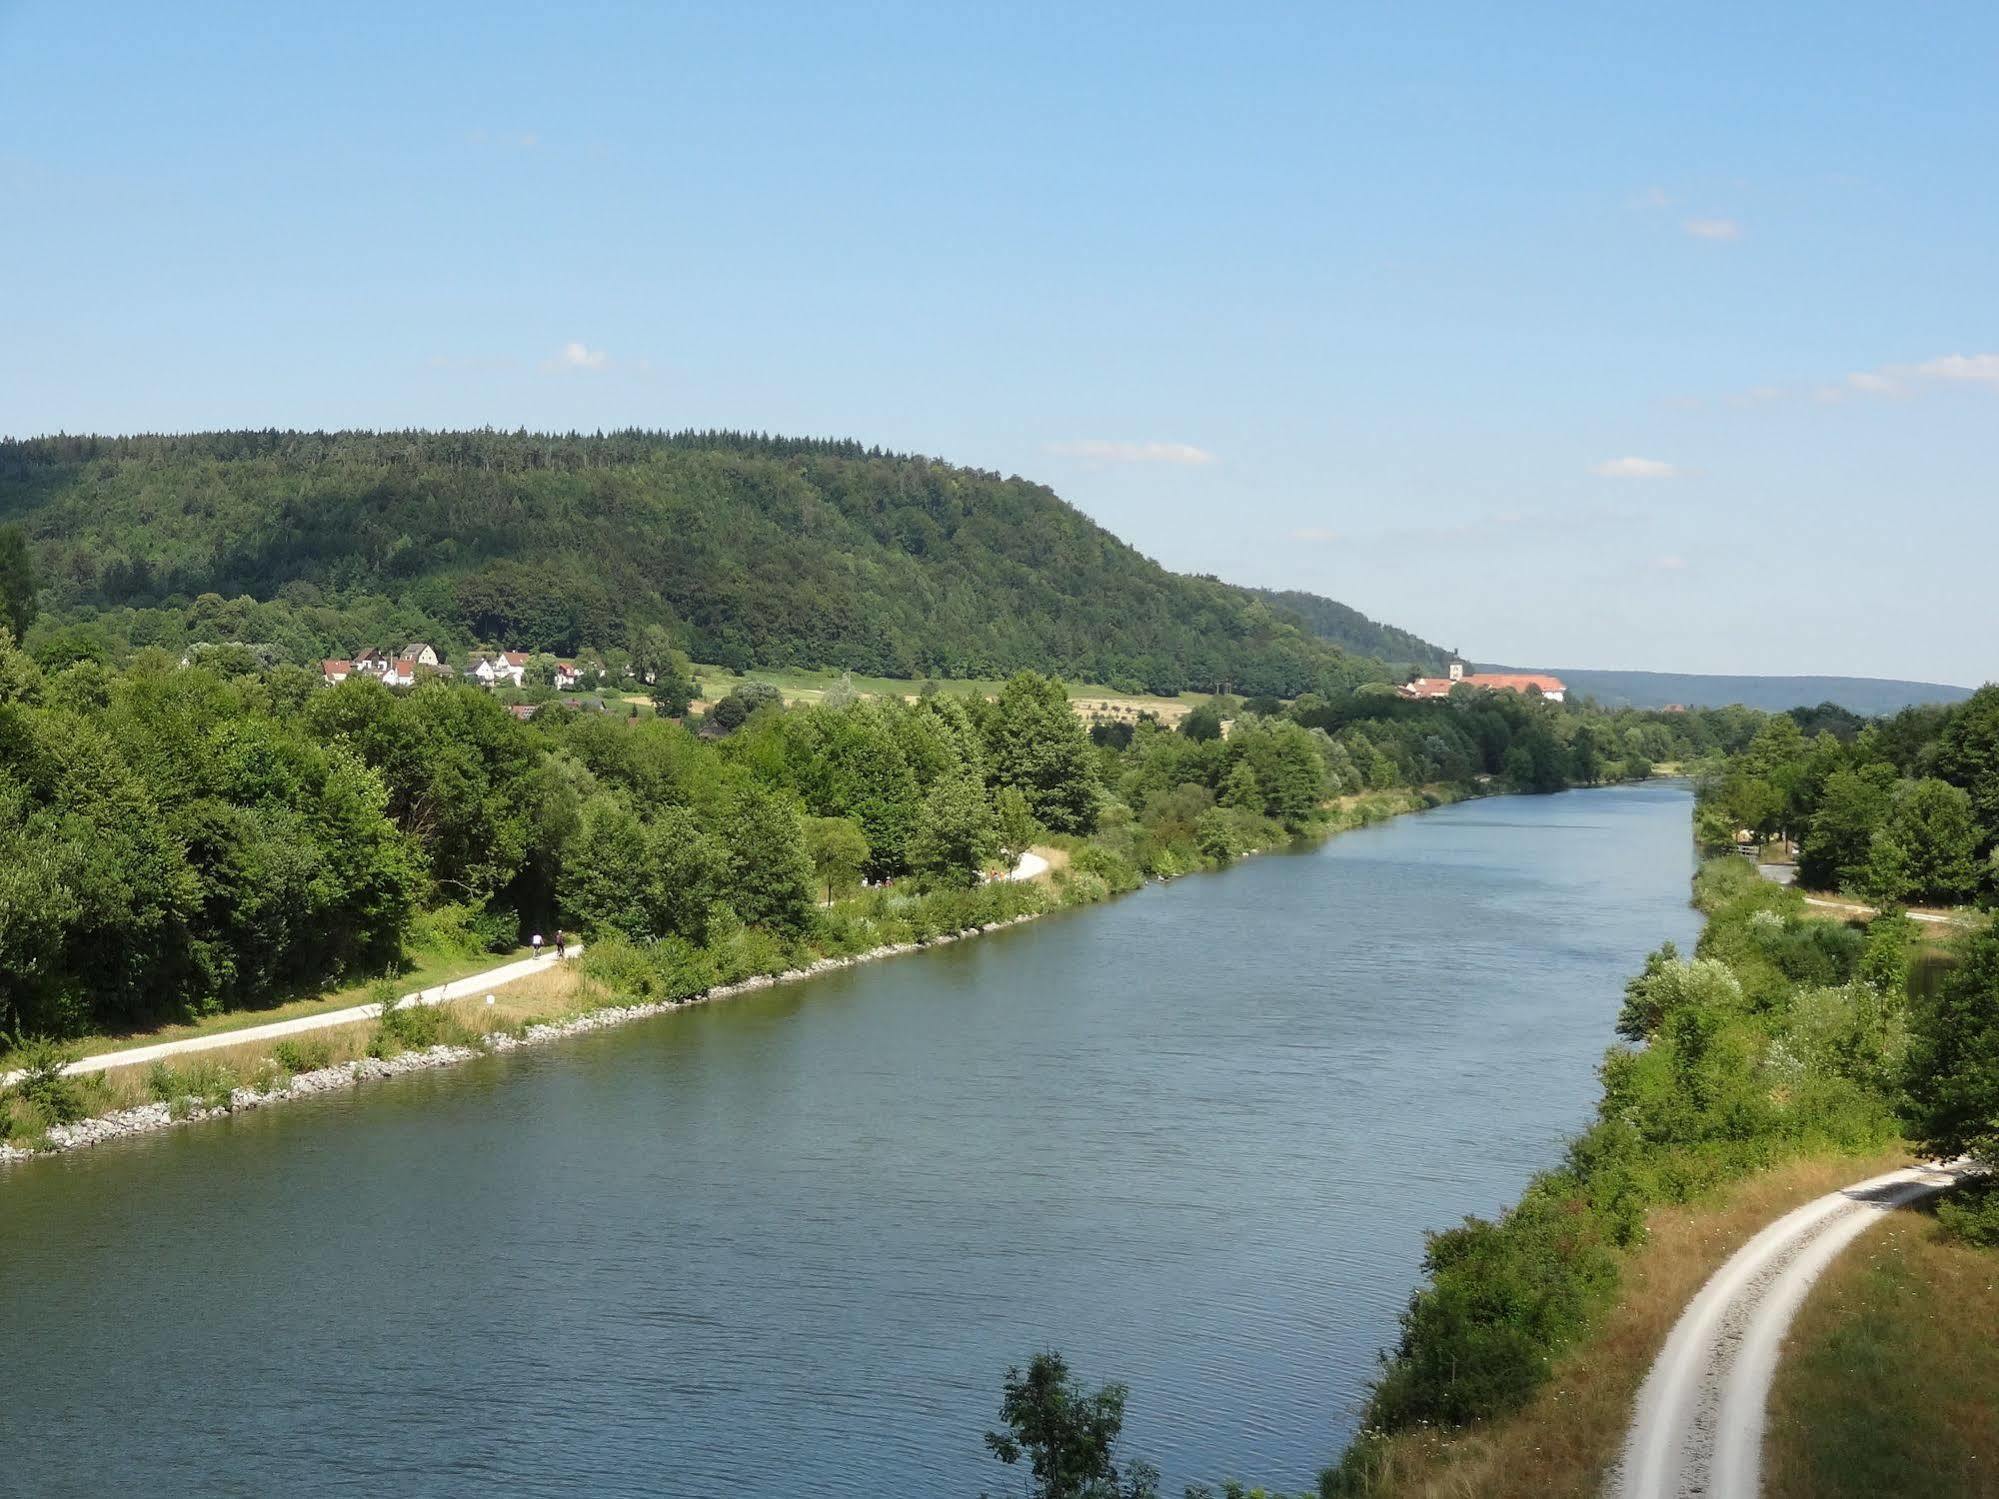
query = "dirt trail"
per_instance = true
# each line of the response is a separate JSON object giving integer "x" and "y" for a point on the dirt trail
{"x": 1699, "y": 1425}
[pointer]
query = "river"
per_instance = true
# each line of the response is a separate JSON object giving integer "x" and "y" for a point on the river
{"x": 786, "y": 1245}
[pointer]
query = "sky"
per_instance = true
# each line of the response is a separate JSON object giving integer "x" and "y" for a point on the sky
{"x": 1590, "y": 336}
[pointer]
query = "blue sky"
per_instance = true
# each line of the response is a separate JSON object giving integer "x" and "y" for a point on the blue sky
{"x": 1664, "y": 340}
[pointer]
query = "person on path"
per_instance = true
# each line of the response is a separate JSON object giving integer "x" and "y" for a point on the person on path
{"x": 535, "y": 943}
{"x": 561, "y": 945}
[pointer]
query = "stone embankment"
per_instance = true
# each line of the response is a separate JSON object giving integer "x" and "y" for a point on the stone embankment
{"x": 145, "y": 1119}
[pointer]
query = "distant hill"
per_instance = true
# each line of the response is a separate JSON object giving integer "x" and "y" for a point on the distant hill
{"x": 749, "y": 550}
{"x": 1353, "y": 631}
{"x": 1867, "y": 696}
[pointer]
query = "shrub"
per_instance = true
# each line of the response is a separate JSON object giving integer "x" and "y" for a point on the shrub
{"x": 205, "y": 1083}
{"x": 1970, "y": 1213}
{"x": 302, "y": 1056}
{"x": 51, "y": 1095}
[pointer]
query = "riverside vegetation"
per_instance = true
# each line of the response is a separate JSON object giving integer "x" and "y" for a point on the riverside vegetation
{"x": 189, "y": 841}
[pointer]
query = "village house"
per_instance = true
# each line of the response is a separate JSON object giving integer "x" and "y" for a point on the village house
{"x": 336, "y": 672}
{"x": 498, "y": 668}
{"x": 419, "y": 654}
{"x": 1529, "y": 683}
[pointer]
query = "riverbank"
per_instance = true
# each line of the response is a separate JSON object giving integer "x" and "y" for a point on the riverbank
{"x": 1075, "y": 879}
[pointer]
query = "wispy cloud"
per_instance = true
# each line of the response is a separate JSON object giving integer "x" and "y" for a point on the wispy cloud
{"x": 1671, "y": 563}
{"x": 1315, "y": 533}
{"x": 577, "y": 355}
{"x": 1983, "y": 368}
{"x": 1098, "y": 450}
{"x": 1713, "y": 228}
{"x": 1907, "y": 379}
{"x": 1652, "y": 197}
{"x": 1634, "y": 468}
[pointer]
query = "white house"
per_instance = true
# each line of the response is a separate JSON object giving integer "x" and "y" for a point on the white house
{"x": 505, "y": 667}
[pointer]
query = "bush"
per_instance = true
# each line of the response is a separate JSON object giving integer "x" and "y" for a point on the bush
{"x": 207, "y": 1084}
{"x": 1970, "y": 1213}
{"x": 50, "y": 1095}
{"x": 302, "y": 1056}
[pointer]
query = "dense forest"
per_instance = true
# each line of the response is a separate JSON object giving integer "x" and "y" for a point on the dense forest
{"x": 1353, "y": 631}
{"x": 748, "y": 550}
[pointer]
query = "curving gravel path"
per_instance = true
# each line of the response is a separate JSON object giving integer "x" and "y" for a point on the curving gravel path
{"x": 1699, "y": 1425}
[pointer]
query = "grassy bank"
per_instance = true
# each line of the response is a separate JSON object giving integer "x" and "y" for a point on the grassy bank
{"x": 1890, "y": 1377}
{"x": 1779, "y": 1043}
{"x": 1563, "y": 1443}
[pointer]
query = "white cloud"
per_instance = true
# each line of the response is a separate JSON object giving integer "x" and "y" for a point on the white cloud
{"x": 1671, "y": 563}
{"x": 1713, "y": 228}
{"x": 1652, "y": 197}
{"x": 1897, "y": 379}
{"x": 1634, "y": 468}
{"x": 577, "y": 355}
{"x": 1315, "y": 533}
{"x": 1098, "y": 450}
{"x": 1982, "y": 368}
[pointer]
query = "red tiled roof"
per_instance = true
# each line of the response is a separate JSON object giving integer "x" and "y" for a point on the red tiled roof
{"x": 1492, "y": 681}
{"x": 514, "y": 658}
{"x": 1512, "y": 681}
{"x": 330, "y": 667}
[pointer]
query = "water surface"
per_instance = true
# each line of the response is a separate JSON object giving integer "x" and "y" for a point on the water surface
{"x": 785, "y": 1245}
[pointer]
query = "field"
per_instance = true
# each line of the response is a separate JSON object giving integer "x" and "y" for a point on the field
{"x": 803, "y": 686}
{"x": 1890, "y": 1377}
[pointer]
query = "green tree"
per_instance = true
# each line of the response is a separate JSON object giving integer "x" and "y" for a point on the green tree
{"x": 1952, "y": 1099}
{"x": 767, "y": 878}
{"x": 1967, "y": 755}
{"x": 1925, "y": 850}
{"x": 734, "y": 710}
{"x": 1203, "y": 722}
{"x": 956, "y": 834}
{"x": 1838, "y": 842}
{"x": 1014, "y": 827}
{"x": 1037, "y": 745}
{"x": 1067, "y": 1434}
{"x": 17, "y": 582}
{"x": 673, "y": 687}
{"x": 838, "y": 850}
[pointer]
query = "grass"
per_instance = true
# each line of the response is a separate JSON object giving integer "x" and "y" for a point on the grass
{"x": 1889, "y": 1382}
{"x": 555, "y": 992}
{"x": 429, "y": 970}
{"x": 1564, "y": 1443}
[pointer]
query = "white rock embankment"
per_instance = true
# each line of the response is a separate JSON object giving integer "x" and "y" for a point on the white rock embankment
{"x": 148, "y": 1118}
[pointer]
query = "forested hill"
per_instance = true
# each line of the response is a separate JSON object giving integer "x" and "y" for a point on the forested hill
{"x": 752, "y": 550}
{"x": 1870, "y": 697}
{"x": 1353, "y": 631}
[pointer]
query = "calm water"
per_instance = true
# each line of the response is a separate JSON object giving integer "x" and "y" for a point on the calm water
{"x": 785, "y": 1246}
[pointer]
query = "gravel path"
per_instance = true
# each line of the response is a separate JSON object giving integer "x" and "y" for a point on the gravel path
{"x": 1699, "y": 1425}
{"x": 478, "y": 983}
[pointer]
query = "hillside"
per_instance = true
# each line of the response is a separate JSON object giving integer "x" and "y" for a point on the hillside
{"x": 1353, "y": 631}
{"x": 750, "y": 550}
{"x": 1867, "y": 696}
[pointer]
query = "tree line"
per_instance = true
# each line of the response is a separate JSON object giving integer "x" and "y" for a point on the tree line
{"x": 177, "y": 838}
{"x": 1902, "y": 809}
